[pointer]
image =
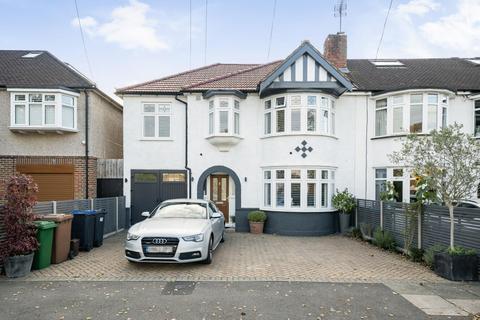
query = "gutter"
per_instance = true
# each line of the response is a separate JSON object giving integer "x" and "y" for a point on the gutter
{"x": 186, "y": 147}
{"x": 86, "y": 143}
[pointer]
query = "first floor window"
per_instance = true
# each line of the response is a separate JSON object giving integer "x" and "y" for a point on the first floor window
{"x": 477, "y": 118}
{"x": 20, "y": 114}
{"x": 223, "y": 121}
{"x": 35, "y": 114}
{"x": 280, "y": 194}
{"x": 164, "y": 126}
{"x": 324, "y": 121}
{"x": 49, "y": 114}
{"x": 444, "y": 117}
{"x": 381, "y": 117}
{"x": 295, "y": 120}
{"x": 295, "y": 191}
{"x": 210, "y": 123}
{"x": 67, "y": 117}
{"x": 397, "y": 119}
{"x": 268, "y": 123}
{"x": 149, "y": 126}
{"x": 432, "y": 116}
{"x": 236, "y": 122}
{"x": 280, "y": 120}
{"x": 267, "y": 194}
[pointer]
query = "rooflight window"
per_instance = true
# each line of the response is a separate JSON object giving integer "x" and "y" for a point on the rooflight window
{"x": 474, "y": 61}
{"x": 387, "y": 63}
{"x": 32, "y": 55}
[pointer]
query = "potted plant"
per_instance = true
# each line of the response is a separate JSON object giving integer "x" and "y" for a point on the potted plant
{"x": 21, "y": 241}
{"x": 344, "y": 202}
{"x": 256, "y": 220}
{"x": 449, "y": 158}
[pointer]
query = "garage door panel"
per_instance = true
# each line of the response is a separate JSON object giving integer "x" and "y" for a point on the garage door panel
{"x": 54, "y": 186}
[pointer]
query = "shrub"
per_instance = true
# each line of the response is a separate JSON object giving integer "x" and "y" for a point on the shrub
{"x": 461, "y": 251}
{"x": 356, "y": 233}
{"x": 415, "y": 254}
{"x": 344, "y": 201}
{"x": 429, "y": 255}
{"x": 257, "y": 216}
{"x": 384, "y": 239}
{"x": 17, "y": 217}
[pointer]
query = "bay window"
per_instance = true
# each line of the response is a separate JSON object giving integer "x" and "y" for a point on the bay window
{"x": 299, "y": 113}
{"x": 298, "y": 189}
{"x": 477, "y": 118}
{"x": 40, "y": 110}
{"x": 410, "y": 113}
{"x": 223, "y": 116}
{"x": 156, "y": 120}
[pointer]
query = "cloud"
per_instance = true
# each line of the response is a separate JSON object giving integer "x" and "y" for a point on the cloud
{"x": 459, "y": 31}
{"x": 129, "y": 27}
{"x": 417, "y": 7}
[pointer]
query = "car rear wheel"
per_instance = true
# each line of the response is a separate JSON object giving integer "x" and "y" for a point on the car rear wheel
{"x": 223, "y": 237}
{"x": 209, "y": 258}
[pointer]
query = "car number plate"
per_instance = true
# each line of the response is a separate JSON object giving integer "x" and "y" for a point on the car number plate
{"x": 159, "y": 249}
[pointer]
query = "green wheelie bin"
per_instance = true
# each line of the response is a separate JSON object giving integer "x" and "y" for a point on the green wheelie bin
{"x": 43, "y": 255}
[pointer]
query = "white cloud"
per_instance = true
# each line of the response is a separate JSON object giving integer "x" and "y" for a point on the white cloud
{"x": 129, "y": 27}
{"x": 459, "y": 31}
{"x": 417, "y": 7}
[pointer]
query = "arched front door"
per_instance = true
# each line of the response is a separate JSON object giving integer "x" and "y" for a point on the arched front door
{"x": 219, "y": 193}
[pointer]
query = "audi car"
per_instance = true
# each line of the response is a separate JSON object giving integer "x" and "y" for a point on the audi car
{"x": 177, "y": 231}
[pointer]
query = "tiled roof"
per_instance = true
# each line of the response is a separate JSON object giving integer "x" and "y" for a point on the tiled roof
{"x": 456, "y": 74}
{"x": 175, "y": 83}
{"x": 44, "y": 70}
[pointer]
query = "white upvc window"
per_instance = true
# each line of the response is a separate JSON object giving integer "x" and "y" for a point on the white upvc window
{"x": 223, "y": 116}
{"x": 157, "y": 120}
{"x": 299, "y": 114}
{"x": 43, "y": 110}
{"x": 415, "y": 112}
{"x": 404, "y": 183}
{"x": 298, "y": 189}
{"x": 477, "y": 118}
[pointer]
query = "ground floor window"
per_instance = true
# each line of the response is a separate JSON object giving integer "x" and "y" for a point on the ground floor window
{"x": 297, "y": 189}
{"x": 402, "y": 181}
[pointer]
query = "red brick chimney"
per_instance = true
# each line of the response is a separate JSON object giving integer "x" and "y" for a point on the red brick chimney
{"x": 335, "y": 49}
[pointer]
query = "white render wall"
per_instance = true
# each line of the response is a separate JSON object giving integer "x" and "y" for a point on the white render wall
{"x": 351, "y": 151}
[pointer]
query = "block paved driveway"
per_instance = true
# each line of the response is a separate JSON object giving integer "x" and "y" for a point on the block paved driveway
{"x": 245, "y": 256}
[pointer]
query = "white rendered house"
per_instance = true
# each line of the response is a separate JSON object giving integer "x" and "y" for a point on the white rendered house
{"x": 283, "y": 136}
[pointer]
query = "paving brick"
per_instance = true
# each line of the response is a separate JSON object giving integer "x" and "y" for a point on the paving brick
{"x": 246, "y": 257}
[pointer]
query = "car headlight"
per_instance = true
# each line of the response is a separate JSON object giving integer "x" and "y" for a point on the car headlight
{"x": 131, "y": 236}
{"x": 196, "y": 238}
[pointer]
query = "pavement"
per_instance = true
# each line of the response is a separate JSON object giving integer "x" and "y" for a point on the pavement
{"x": 205, "y": 300}
{"x": 247, "y": 257}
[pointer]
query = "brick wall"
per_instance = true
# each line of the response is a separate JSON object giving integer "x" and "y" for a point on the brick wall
{"x": 9, "y": 163}
{"x": 335, "y": 49}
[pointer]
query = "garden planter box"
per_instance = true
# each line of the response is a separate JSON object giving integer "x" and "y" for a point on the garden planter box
{"x": 18, "y": 266}
{"x": 344, "y": 221}
{"x": 256, "y": 227}
{"x": 456, "y": 267}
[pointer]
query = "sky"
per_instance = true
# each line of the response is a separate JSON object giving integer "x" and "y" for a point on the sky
{"x": 130, "y": 41}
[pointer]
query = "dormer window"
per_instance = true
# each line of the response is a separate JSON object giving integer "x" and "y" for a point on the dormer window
{"x": 43, "y": 111}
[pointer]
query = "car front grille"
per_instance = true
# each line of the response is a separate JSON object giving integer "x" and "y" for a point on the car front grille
{"x": 149, "y": 241}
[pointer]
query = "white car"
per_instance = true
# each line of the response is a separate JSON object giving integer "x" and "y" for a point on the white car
{"x": 180, "y": 230}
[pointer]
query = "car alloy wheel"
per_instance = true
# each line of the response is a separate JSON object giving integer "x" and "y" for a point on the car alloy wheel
{"x": 209, "y": 258}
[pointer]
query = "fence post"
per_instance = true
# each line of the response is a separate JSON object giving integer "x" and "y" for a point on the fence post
{"x": 54, "y": 206}
{"x": 381, "y": 215}
{"x": 419, "y": 230}
{"x": 356, "y": 215}
{"x": 116, "y": 214}
{"x": 91, "y": 204}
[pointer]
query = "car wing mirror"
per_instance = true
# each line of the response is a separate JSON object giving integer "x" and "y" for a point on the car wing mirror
{"x": 216, "y": 215}
{"x": 145, "y": 214}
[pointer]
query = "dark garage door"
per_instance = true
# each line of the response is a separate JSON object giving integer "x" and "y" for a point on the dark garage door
{"x": 150, "y": 187}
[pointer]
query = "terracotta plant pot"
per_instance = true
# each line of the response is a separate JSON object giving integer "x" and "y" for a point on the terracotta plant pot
{"x": 18, "y": 266}
{"x": 256, "y": 227}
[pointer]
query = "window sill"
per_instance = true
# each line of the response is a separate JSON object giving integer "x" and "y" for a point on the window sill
{"x": 41, "y": 129}
{"x": 299, "y": 135}
{"x": 156, "y": 139}
{"x": 397, "y": 135}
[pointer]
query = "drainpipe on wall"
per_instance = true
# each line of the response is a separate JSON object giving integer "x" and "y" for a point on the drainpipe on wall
{"x": 86, "y": 143}
{"x": 186, "y": 147}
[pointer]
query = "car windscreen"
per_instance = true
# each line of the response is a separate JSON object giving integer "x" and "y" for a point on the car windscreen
{"x": 181, "y": 210}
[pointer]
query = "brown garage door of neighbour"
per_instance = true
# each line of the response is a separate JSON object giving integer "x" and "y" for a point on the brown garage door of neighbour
{"x": 55, "y": 182}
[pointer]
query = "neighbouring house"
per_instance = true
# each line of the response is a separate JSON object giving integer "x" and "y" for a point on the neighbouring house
{"x": 55, "y": 124}
{"x": 283, "y": 136}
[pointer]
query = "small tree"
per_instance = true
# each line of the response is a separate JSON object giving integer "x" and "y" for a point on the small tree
{"x": 449, "y": 158}
{"x": 20, "y": 198}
